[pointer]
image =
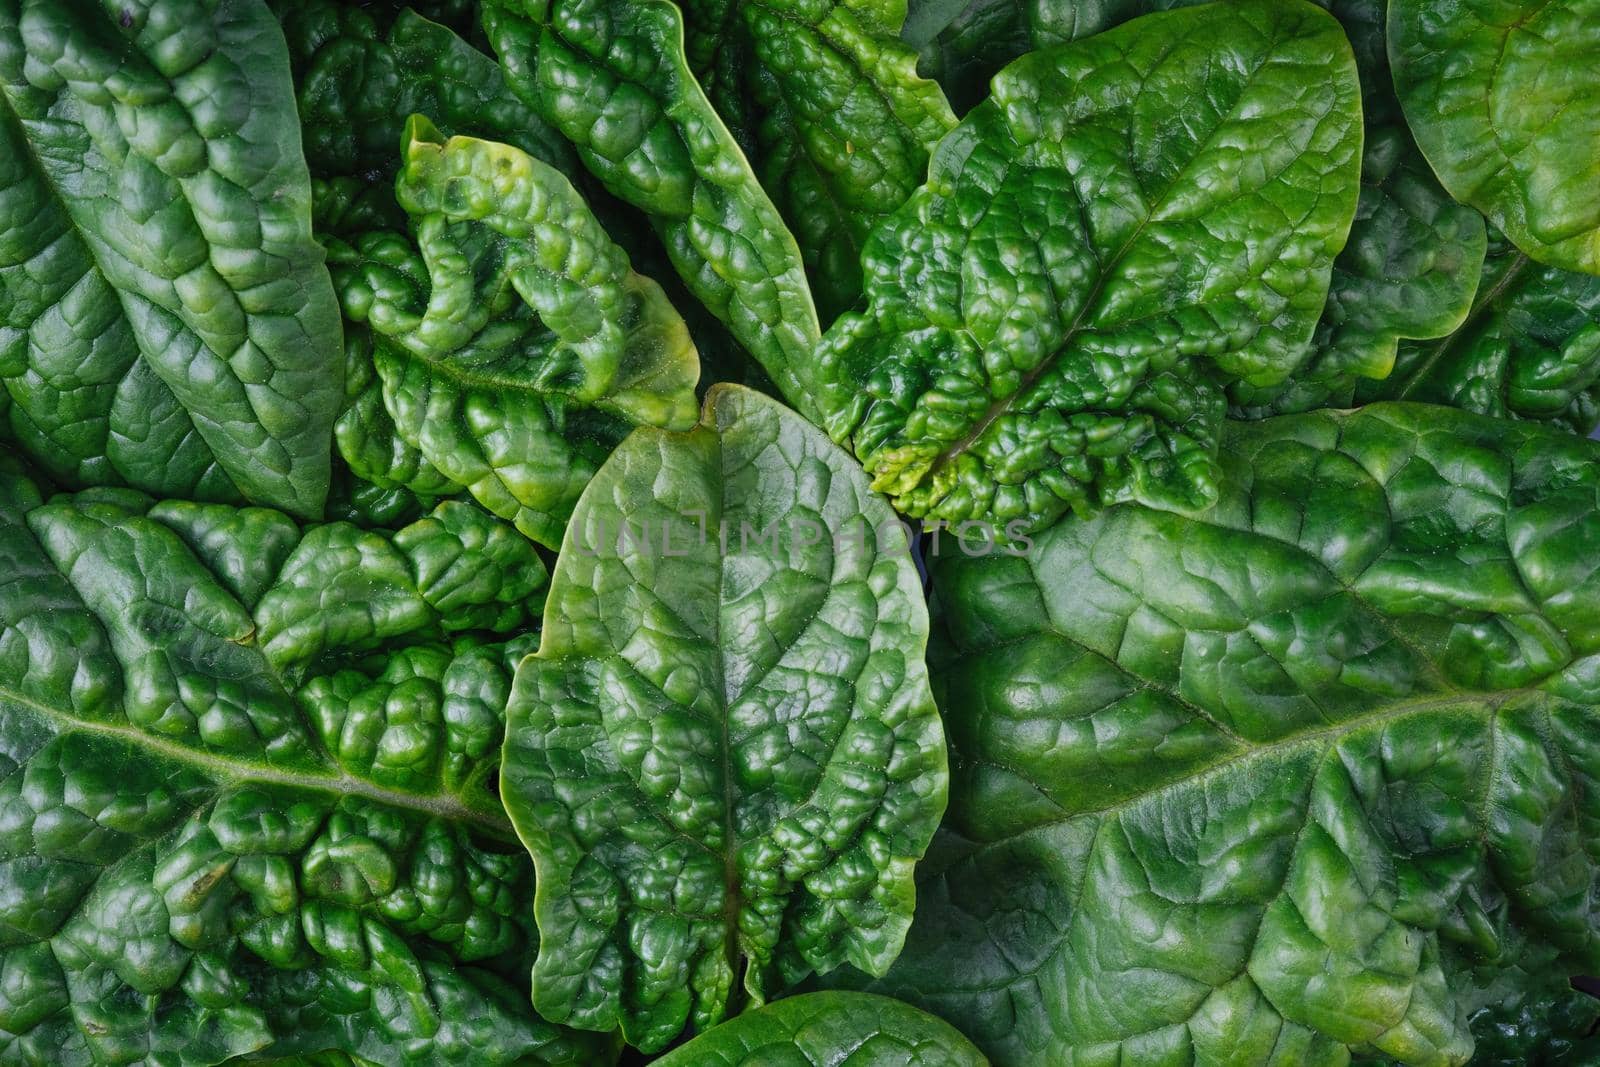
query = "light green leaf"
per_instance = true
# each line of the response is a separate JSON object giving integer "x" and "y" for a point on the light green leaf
{"x": 201, "y": 859}
{"x": 1504, "y": 99}
{"x": 611, "y": 75}
{"x": 829, "y": 1028}
{"x": 1248, "y": 784}
{"x": 725, "y": 758}
{"x": 168, "y": 322}
{"x": 1128, "y": 225}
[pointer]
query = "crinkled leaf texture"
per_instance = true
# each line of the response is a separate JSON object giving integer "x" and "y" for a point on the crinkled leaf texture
{"x": 1528, "y": 348}
{"x": 1412, "y": 263}
{"x": 1128, "y": 224}
{"x": 827, "y": 103}
{"x": 203, "y": 856}
{"x": 612, "y": 76}
{"x": 725, "y": 758}
{"x": 1266, "y": 782}
{"x": 167, "y": 321}
{"x": 514, "y": 343}
{"x": 1504, "y": 99}
{"x": 824, "y": 1029}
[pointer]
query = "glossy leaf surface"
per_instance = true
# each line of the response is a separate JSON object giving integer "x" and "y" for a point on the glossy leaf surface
{"x": 203, "y": 857}
{"x": 725, "y": 758}
{"x": 1249, "y": 784}
{"x": 612, "y": 76}
{"x": 1502, "y": 97}
{"x": 1055, "y": 315}
{"x": 824, "y": 1029}
{"x": 827, "y": 103}
{"x": 514, "y": 342}
{"x": 168, "y": 322}
{"x": 1530, "y": 349}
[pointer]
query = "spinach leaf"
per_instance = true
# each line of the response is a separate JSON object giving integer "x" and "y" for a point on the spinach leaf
{"x": 1502, "y": 98}
{"x": 826, "y": 102}
{"x": 724, "y": 758}
{"x": 519, "y": 346}
{"x": 1055, "y": 316}
{"x": 168, "y": 322}
{"x": 204, "y": 856}
{"x": 1267, "y": 780}
{"x": 828, "y": 1028}
{"x": 612, "y": 76}
{"x": 1529, "y": 349}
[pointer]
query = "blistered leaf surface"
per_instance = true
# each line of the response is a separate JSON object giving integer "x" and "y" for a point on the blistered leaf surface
{"x": 514, "y": 343}
{"x": 1127, "y": 225}
{"x": 204, "y": 857}
{"x": 612, "y": 76}
{"x": 1251, "y": 783}
{"x": 168, "y": 321}
{"x": 725, "y": 758}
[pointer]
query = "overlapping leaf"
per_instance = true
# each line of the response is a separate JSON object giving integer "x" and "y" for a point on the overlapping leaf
{"x": 823, "y": 1029}
{"x": 1502, "y": 97}
{"x": 201, "y": 859}
{"x": 1129, "y": 224}
{"x": 1263, "y": 783}
{"x": 827, "y": 104}
{"x": 725, "y": 758}
{"x": 612, "y": 76}
{"x": 518, "y": 346}
{"x": 166, "y": 321}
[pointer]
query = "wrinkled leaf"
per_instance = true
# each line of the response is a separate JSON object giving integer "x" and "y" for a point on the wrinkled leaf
{"x": 518, "y": 346}
{"x": 1504, "y": 99}
{"x": 168, "y": 323}
{"x": 1055, "y": 316}
{"x": 202, "y": 860}
{"x": 725, "y": 758}
{"x": 612, "y": 76}
{"x": 1245, "y": 784}
{"x": 1529, "y": 349}
{"x": 827, "y": 103}
{"x": 823, "y": 1029}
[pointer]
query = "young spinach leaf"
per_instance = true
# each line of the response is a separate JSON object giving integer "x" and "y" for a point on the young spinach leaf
{"x": 519, "y": 346}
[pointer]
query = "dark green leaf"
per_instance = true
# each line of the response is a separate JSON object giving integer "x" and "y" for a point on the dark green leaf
{"x": 168, "y": 323}
{"x": 1248, "y": 784}
{"x": 725, "y": 758}
{"x": 612, "y": 76}
{"x": 201, "y": 859}
{"x": 827, "y": 103}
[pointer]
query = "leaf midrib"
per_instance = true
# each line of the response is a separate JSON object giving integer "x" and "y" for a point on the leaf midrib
{"x": 222, "y": 770}
{"x": 1486, "y": 703}
{"x": 1106, "y": 265}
